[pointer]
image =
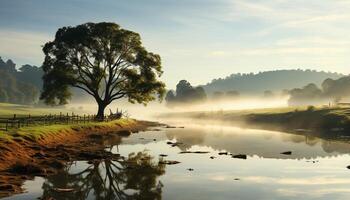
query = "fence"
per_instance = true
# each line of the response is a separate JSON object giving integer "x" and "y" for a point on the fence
{"x": 22, "y": 121}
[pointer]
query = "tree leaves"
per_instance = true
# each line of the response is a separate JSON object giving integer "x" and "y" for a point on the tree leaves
{"x": 104, "y": 60}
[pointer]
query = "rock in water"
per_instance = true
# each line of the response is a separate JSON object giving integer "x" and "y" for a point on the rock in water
{"x": 287, "y": 153}
{"x": 169, "y": 162}
{"x": 240, "y": 156}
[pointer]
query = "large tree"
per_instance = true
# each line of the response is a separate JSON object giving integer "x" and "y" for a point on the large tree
{"x": 103, "y": 60}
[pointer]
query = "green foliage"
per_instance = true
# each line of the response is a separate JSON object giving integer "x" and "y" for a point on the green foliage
{"x": 103, "y": 60}
{"x": 331, "y": 91}
{"x": 185, "y": 94}
{"x": 19, "y": 86}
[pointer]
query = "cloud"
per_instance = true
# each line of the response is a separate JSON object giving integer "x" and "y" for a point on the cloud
{"x": 22, "y": 46}
{"x": 286, "y": 51}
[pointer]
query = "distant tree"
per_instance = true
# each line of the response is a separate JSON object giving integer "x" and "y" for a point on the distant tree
{"x": 232, "y": 94}
{"x": 105, "y": 61}
{"x": 305, "y": 96}
{"x": 268, "y": 94}
{"x": 31, "y": 74}
{"x": 9, "y": 65}
{"x": 170, "y": 98}
{"x": 336, "y": 89}
{"x": 185, "y": 94}
{"x": 218, "y": 95}
{"x": 184, "y": 90}
{"x": 3, "y": 95}
{"x": 200, "y": 94}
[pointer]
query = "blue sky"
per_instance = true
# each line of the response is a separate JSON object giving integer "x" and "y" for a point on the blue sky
{"x": 198, "y": 40}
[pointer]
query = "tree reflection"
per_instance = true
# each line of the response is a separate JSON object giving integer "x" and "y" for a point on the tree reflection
{"x": 135, "y": 177}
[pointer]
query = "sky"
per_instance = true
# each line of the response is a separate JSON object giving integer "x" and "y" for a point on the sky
{"x": 198, "y": 40}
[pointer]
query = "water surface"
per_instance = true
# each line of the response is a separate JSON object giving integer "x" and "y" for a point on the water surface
{"x": 316, "y": 169}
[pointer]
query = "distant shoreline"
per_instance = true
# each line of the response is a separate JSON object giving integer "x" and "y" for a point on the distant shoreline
{"x": 323, "y": 122}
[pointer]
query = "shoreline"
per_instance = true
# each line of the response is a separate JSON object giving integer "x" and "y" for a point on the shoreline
{"x": 321, "y": 122}
{"x": 23, "y": 157}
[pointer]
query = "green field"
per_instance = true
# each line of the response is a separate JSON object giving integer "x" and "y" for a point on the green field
{"x": 34, "y": 133}
{"x": 8, "y": 110}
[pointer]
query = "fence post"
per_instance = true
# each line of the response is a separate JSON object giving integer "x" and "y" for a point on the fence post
{"x": 14, "y": 120}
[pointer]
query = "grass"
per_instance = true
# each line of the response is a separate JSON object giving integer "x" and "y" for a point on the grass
{"x": 8, "y": 110}
{"x": 35, "y": 133}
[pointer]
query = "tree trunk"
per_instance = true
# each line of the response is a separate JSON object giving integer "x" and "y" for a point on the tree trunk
{"x": 101, "y": 111}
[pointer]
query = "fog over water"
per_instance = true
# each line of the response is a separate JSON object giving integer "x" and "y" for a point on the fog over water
{"x": 153, "y": 109}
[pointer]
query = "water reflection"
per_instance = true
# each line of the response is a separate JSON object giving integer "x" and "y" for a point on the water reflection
{"x": 267, "y": 144}
{"x": 135, "y": 177}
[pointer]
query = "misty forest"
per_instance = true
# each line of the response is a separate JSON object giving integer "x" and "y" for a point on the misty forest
{"x": 148, "y": 100}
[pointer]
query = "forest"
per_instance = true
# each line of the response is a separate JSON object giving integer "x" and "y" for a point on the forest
{"x": 19, "y": 86}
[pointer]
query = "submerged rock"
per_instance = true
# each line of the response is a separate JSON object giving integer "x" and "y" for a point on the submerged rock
{"x": 199, "y": 152}
{"x": 190, "y": 169}
{"x": 169, "y": 162}
{"x": 287, "y": 153}
{"x": 174, "y": 144}
{"x": 240, "y": 156}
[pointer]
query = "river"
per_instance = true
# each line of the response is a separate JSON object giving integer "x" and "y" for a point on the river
{"x": 315, "y": 169}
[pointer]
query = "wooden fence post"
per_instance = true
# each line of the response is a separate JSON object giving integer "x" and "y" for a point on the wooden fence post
{"x": 14, "y": 120}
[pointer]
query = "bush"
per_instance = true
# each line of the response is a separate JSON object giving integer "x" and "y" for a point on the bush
{"x": 311, "y": 108}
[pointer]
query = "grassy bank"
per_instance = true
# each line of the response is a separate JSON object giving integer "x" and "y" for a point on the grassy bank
{"x": 21, "y": 144}
{"x": 320, "y": 121}
{"x": 37, "y": 133}
{"x": 44, "y": 150}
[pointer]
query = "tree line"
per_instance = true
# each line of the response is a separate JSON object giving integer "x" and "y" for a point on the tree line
{"x": 21, "y": 86}
{"x": 331, "y": 90}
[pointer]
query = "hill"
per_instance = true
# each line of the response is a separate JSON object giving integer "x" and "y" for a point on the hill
{"x": 275, "y": 81}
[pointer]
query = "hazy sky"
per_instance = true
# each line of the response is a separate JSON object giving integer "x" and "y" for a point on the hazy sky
{"x": 197, "y": 39}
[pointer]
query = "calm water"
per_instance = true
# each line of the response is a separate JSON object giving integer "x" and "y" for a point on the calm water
{"x": 315, "y": 170}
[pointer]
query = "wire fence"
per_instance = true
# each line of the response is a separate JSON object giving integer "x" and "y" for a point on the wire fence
{"x": 24, "y": 121}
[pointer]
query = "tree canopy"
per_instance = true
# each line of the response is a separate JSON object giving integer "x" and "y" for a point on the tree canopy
{"x": 103, "y": 60}
{"x": 17, "y": 86}
{"x": 185, "y": 94}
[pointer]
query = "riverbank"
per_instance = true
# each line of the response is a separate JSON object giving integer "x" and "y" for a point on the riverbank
{"x": 43, "y": 150}
{"x": 306, "y": 120}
